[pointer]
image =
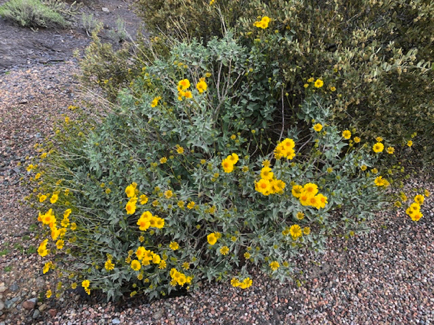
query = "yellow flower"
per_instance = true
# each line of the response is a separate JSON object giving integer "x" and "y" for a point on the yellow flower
{"x": 162, "y": 265}
{"x": 419, "y": 199}
{"x": 143, "y": 199}
{"x": 416, "y": 216}
{"x": 246, "y": 255}
{"x": 363, "y": 167}
{"x": 346, "y": 134}
{"x": 73, "y": 285}
{"x": 60, "y": 243}
{"x": 188, "y": 94}
{"x": 181, "y": 204}
{"x": 37, "y": 176}
{"x": 300, "y": 215}
{"x": 321, "y": 201}
{"x": 295, "y": 231}
{"x": 131, "y": 190}
{"x": 333, "y": 88}
{"x": 224, "y": 250}
{"x": 390, "y": 150}
{"x": 356, "y": 139}
{"x": 379, "y": 181}
{"x": 191, "y": 205}
{"x": 306, "y": 230}
{"x": 47, "y": 267}
{"x": 306, "y": 85}
{"x": 156, "y": 259}
{"x": 265, "y": 19}
{"x": 180, "y": 150}
{"x": 310, "y": 189}
{"x": 297, "y": 190}
{"x": 155, "y": 101}
{"x": 409, "y": 143}
{"x": 379, "y": 139}
{"x": 278, "y": 186}
{"x": 317, "y": 127}
{"x": 85, "y": 284}
{"x": 131, "y": 207}
{"x": 159, "y": 223}
{"x": 227, "y": 165}
{"x": 212, "y": 238}
{"x": 274, "y": 265}
{"x": 263, "y": 23}
{"x": 144, "y": 221}
{"x": 42, "y": 198}
{"x": 318, "y": 83}
{"x": 263, "y": 186}
{"x": 201, "y": 86}
{"x": 54, "y": 198}
{"x": 109, "y": 265}
{"x": 266, "y": 173}
{"x": 48, "y": 294}
{"x": 185, "y": 265}
{"x": 73, "y": 226}
{"x": 378, "y": 147}
{"x": 168, "y": 194}
{"x": 163, "y": 160}
{"x": 135, "y": 265}
{"x": 266, "y": 163}
{"x": 374, "y": 170}
{"x": 174, "y": 245}
{"x": 427, "y": 193}
{"x": 235, "y": 282}
{"x": 184, "y": 84}
{"x": 310, "y": 80}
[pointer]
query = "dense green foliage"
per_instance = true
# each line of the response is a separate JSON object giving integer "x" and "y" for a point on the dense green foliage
{"x": 162, "y": 152}
{"x": 377, "y": 55}
{"x": 227, "y": 152}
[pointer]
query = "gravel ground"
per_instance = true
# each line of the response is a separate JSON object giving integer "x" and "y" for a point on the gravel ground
{"x": 384, "y": 277}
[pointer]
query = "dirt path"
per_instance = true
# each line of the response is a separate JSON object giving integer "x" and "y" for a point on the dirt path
{"x": 22, "y": 47}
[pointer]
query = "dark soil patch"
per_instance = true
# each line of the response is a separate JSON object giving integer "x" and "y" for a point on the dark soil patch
{"x": 23, "y": 47}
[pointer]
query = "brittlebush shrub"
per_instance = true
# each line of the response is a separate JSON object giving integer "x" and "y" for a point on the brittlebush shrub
{"x": 375, "y": 57}
{"x": 181, "y": 183}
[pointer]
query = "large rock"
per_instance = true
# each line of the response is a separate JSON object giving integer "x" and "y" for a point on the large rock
{"x": 29, "y": 304}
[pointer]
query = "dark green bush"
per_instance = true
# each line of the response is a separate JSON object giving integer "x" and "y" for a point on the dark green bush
{"x": 377, "y": 55}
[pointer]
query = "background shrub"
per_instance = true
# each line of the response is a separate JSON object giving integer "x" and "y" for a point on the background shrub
{"x": 163, "y": 151}
{"x": 376, "y": 55}
{"x": 34, "y": 13}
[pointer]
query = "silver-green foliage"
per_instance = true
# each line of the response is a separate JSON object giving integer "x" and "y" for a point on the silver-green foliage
{"x": 128, "y": 147}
